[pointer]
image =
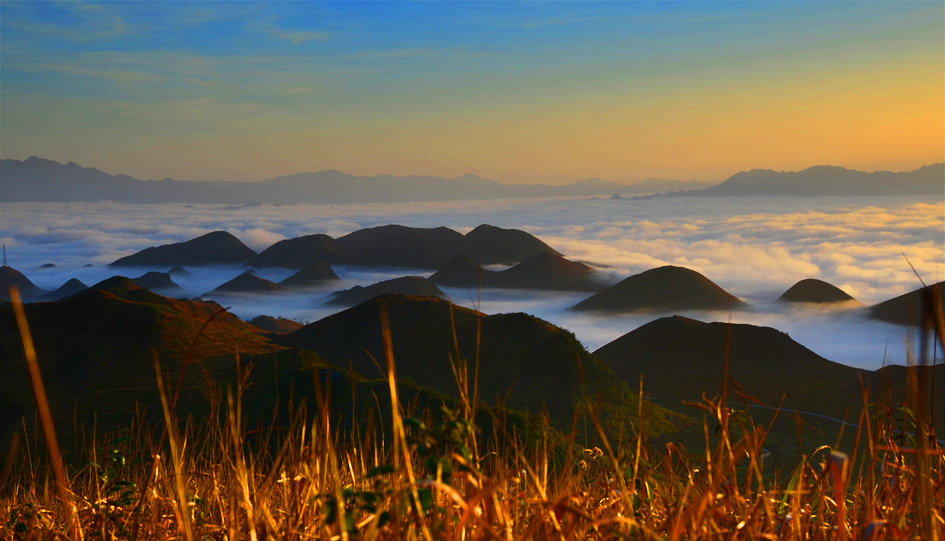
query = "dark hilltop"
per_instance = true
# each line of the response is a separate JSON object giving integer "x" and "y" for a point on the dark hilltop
{"x": 661, "y": 289}
{"x": 814, "y": 291}
{"x": 406, "y": 285}
{"x": 218, "y": 247}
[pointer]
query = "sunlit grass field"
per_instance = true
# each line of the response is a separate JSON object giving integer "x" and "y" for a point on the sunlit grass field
{"x": 456, "y": 469}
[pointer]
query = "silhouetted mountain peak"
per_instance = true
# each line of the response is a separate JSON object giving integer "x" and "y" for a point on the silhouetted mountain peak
{"x": 493, "y": 244}
{"x": 663, "y": 288}
{"x": 217, "y": 247}
{"x": 406, "y": 285}
{"x": 299, "y": 252}
{"x": 71, "y": 287}
{"x": 814, "y": 290}
{"x": 907, "y": 309}
{"x": 247, "y": 283}
{"x": 12, "y": 277}
{"x": 315, "y": 274}
{"x": 156, "y": 280}
{"x": 117, "y": 285}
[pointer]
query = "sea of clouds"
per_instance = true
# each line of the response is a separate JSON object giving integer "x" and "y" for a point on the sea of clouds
{"x": 754, "y": 247}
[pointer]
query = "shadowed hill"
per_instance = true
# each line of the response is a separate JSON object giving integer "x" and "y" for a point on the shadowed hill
{"x": 406, "y": 285}
{"x": 95, "y": 352}
{"x": 275, "y": 324}
{"x": 95, "y": 349}
{"x": 71, "y": 287}
{"x": 548, "y": 270}
{"x": 12, "y": 277}
{"x": 433, "y": 248}
{"x": 156, "y": 281}
{"x": 523, "y": 361}
{"x": 663, "y": 288}
{"x": 491, "y": 244}
{"x": 907, "y": 309}
{"x": 300, "y": 252}
{"x": 178, "y": 270}
{"x": 247, "y": 283}
{"x": 401, "y": 246}
{"x": 218, "y": 247}
{"x": 680, "y": 358}
{"x": 545, "y": 270}
{"x": 462, "y": 271}
{"x": 316, "y": 274}
{"x": 813, "y": 290}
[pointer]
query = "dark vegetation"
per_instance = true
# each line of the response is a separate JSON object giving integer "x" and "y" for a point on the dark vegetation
{"x": 246, "y": 434}
{"x": 420, "y": 419}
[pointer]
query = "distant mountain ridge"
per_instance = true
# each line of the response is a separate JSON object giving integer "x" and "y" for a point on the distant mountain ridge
{"x": 38, "y": 179}
{"x": 825, "y": 180}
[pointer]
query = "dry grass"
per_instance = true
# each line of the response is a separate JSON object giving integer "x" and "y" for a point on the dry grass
{"x": 429, "y": 479}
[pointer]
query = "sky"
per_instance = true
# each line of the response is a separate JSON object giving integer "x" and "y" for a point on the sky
{"x": 515, "y": 92}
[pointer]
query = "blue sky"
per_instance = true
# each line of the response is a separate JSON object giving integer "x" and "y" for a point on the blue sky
{"x": 522, "y": 92}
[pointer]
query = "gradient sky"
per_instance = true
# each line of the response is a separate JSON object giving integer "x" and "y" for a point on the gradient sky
{"x": 516, "y": 92}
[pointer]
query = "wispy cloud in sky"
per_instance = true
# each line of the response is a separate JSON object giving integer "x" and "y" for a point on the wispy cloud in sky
{"x": 519, "y": 92}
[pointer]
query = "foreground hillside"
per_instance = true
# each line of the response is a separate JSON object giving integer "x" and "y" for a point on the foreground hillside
{"x": 523, "y": 362}
{"x": 681, "y": 359}
{"x": 413, "y": 464}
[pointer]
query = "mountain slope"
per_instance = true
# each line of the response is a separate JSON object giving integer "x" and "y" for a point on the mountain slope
{"x": 95, "y": 349}
{"x": 663, "y": 288}
{"x": 10, "y": 277}
{"x": 218, "y": 247}
{"x": 406, "y": 285}
{"x": 402, "y": 246}
{"x": 681, "y": 358}
{"x": 907, "y": 309}
{"x": 71, "y": 287}
{"x": 462, "y": 271}
{"x": 548, "y": 271}
{"x": 247, "y": 283}
{"x": 299, "y": 252}
{"x": 313, "y": 275}
{"x": 491, "y": 244}
{"x": 813, "y": 290}
{"x": 544, "y": 270}
{"x": 524, "y": 362}
{"x": 156, "y": 281}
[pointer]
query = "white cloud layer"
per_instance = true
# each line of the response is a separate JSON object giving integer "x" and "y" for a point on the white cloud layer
{"x": 754, "y": 247}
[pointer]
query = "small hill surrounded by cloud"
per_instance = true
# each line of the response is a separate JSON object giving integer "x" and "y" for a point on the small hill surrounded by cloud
{"x": 660, "y": 289}
{"x": 814, "y": 291}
